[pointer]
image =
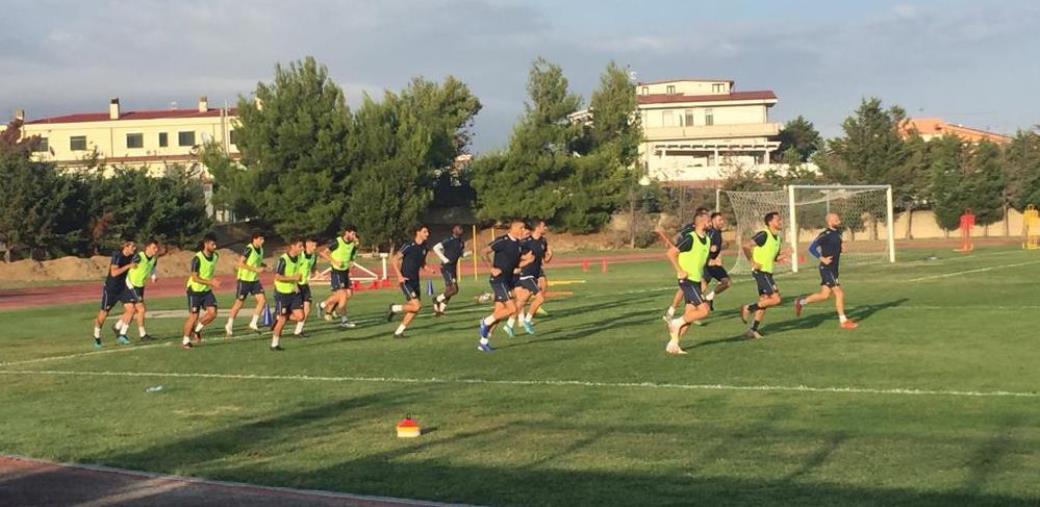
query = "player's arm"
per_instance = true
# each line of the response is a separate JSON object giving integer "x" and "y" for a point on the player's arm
{"x": 526, "y": 259}
{"x": 439, "y": 250}
{"x": 673, "y": 256}
{"x": 396, "y": 261}
{"x": 548, "y": 254}
{"x": 664, "y": 238}
{"x": 195, "y": 277}
{"x": 326, "y": 253}
{"x": 486, "y": 255}
{"x": 280, "y": 276}
{"x": 115, "y": 270}
{"x": 243, "y": 265}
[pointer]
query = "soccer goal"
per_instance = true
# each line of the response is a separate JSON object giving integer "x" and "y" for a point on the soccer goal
{"x": 866, "y": 213}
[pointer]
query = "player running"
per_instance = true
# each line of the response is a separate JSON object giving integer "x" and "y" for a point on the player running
{"x": 308, "y": 263}
{"x": 200, "y": 291}
{"x": 136, "y": 279}
{"x": 506, "y": 259}
{"x": 683, "y": 232}
{"x": 449, "y": 251}
{"x": 714, "y": 269}
{"x": 406, "y": 263}
{"x": 250, "y": 265}
{"x": 828, "y": 247}
{"x": 532, "y": 276}
{"x": 287, "y": 300}
{"x": 688, "y": 257}
{"x": 117, "y": 291}
{"x": 764, "y": 252}
{"x": 340, "y": 254}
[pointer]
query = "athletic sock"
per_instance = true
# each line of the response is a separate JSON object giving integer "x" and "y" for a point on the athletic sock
{"x": 441, "y": 299}
{"x": 755, "y": 324}
{"x": 256, "y": 318}
{"x": 185, "y": 340}
{"x": 141, "y": 331}
{"x": 670, "y": 312}
{"x": 199, "y": 326}
{"x": 753, "y": 307}
{"x": 299, "y": 328}
{"x": 484, "y": 341}
{"x": 123, "y": 327}
{"x": 677, "y": 322}
{"x": 342, "y": 318}
{"x": 97, "y": 331}
{"x": 274, "y": 341}
{"x": 397, "y": 308}
{"x": 490, "y": 319}
{"x": 803, "y": 301}
{"x": 710, "y": 296}
{"x": 511, "y": 321}
{"x": 529, "y": 317}
{"x": 842, "y": 318}
{"x": 400, "y": 330}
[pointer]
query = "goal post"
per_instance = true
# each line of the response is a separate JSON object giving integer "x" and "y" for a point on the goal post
{"x": 867, "y": 215}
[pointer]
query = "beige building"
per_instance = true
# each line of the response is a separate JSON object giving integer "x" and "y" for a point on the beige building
{"x": 695, "y": 130}
{"x": 151, "y": 139}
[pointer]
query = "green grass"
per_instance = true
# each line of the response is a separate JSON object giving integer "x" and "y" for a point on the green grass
{"x": 601, "y": 440}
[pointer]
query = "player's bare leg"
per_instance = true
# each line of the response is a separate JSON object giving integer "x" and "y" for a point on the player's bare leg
{"x": 677, "y": 299}
{"x": 678, "y": 327}
{"x": 759, "y": 311}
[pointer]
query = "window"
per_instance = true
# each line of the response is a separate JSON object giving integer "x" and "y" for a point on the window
{"x": 164, "y": 139}
{"x": 78, "y": 143}
{"x": 667, "y": 120}
{"x": 135, "y": 140}
{"x": 645, "y": 91}
{"x": 671, "y": 89}
{"x": 689, "y": 117}
{"x": 186, "y": 138}
{"x": 709, "y": 117}
{"x": 232, "y": 137}
{"x": 718, "y": 88}
{"x": 42, "y": 146}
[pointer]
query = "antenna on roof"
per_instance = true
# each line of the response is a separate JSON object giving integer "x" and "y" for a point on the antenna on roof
{"x": 173, "y": 105}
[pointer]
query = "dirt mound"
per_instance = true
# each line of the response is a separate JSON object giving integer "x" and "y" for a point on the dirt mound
{"x": 29, "y": 270}
{"x": 75, "y": 268}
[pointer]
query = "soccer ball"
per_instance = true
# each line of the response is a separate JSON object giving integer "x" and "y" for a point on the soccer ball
{"x": 484, "y": 298}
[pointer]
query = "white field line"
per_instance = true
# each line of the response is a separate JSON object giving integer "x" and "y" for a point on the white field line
{"x": 85, "y": 354}
{"x": 971, "y": 271}
{"x": 548, "y": 383}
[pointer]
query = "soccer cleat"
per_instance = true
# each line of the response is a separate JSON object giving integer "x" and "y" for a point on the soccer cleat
{"x": 542, "y": 311}
{"x": 229, "y": 329}
{"x": 711, "y": 305}
{"x": 325, "y": 315}
{"x": 255, "y": 328}
{"x": 97, "y": 343}
{"x": 399, "y": 336}
{"x": 321, "y": 311}
{"x": 753, "y": 334}
{"x": 698, "y": 323}
{"x": 509, "y": 331}
{"x": 276, "y": 348}
{"x": 528, "y": 326}
{"x": 744, "y": 313}
{"x": 438, "y": 310}
{"x": 798, "y": 306}
{"x": 485, "y": 330}
{"x": 147, "y": 338}
{"x": 347, "y": 323}
{"x": 186, "y": 346}
{"x": 196, "y": 336}
{"x": 848, "y": 324}
{"x": 389, "y": 313}
{"x": 675, "y": 350}
{"x": 123, "y": 340}
{"x": 485, "y": 347}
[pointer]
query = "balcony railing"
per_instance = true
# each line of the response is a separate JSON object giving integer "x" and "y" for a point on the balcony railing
{"x": 711, "y": 131}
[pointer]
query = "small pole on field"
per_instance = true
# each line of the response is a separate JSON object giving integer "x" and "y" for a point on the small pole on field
{"x": 474, "y": 252}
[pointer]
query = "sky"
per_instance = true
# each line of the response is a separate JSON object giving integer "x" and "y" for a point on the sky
{"x": 971, "y": 62}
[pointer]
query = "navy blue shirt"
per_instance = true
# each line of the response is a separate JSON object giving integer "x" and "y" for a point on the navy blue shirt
{"x": 118, "y": 283}
{"x": 507, "y": 256}
{"x": 413, "y": 258}
{"x": 684, "y": 231}
{"x": 538, "y": 248}
{"x": 715, "y": 236}
{"x": 453, "y": 249}
{"x": 827, "y": 244}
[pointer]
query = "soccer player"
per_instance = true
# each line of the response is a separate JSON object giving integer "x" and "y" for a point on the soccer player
{"x": 763, "y": 250}
{"x": 828, "y": 247}
{"x": 684, "y": 231}
{"x": 200, "y": 291}
{"x": 449, "y": 251}
{"x": 250, "y": 265}
{"x": 533, "y": 283}
{"x": 688, "y": 257}
{"x": 507, "y": 258}
{"x": 287, "y": 300}
{"x": 308, "y": 263}
{"x": 117, "y": 291}
{"x": 406, "y": 263}
{"x": 137, "y": 277}
{"x": 340, "y": 254}
{"x": 714, "y": 269}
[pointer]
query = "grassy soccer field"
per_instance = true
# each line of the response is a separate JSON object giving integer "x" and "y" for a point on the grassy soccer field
{"x": 934, "y": 400}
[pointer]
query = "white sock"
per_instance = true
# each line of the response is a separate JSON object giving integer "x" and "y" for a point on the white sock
{"x": 185, "y": 340}
{"x": 400, "y": 330}
{"x": 710, "y": 296}
{"x": 678, "y": 322}
{"x": 842, "y": 318}
{"x": 528, "y": 316}
{"x": 802, "y": 301}
{"x": 274, "y": 341}
{"x": 256, "y": 318}
{"x": 199, "y": 326}
{"x": 440, "y": 298}
{"x": 321, "y": 305}
{"x": 342, "y": 318}
{"x": 123, "y": 327}
{"x": 230, "y": 322}
{"x": 299, "y": 327}
{"x": 397, "y": 308}
{"x": 670, "y": 312}
{"x": 490, "y": 319}
{"x": 484, "y": 341}
{"x": 97, "y": 331}
{"x": 511, "y": 321}
{"x": 141, "y": 331}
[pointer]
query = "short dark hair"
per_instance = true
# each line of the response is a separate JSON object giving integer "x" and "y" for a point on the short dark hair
{"x": 309, "y": 239}
{"x": 700, "y": 211}
{"x": 349, "y": 228}
{"x": 256, "y": 234}
{"x": 151, "y": 241}
{"x": 298, "y": 239}
{"x": 769, "y": 216}
{"x": 209, "y": 237}
{"x": 419, "y": 227}
{"x": 715, "y": 214}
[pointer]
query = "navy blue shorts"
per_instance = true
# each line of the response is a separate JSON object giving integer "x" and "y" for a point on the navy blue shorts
{"x": 284, "y": 304}
{"x": 245, "y": 289}
{"x": 410, "y": 289}
{"x": 450, "y": 274}
{"x": 139, "y": 291}
{"x": 502, "y": 289}
{"x": 766, "y": 285}
{"x": 305, "y": 292}
{"x": 715, "y": 272}
{"x": 200, "y": 300}
{"x": 110, "y": 298}
{"x": 829, "y": 276}
{"x": 691, "y": 292}
{"x": 340, "y": 280}
{"x": 529, "y": 283}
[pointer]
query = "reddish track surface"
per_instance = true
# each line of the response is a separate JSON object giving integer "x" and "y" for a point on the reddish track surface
{"x": 91, "y": 291}
{"x": 28, "y": 482}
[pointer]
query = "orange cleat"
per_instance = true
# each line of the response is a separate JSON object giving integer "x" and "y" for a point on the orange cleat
{"x": 848, "y": 324}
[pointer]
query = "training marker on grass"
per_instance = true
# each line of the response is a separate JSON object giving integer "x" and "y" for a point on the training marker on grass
{"x": 408, "y": 428}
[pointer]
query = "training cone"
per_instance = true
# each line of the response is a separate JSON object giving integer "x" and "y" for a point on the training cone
{"x": 267, "y": 319}
{"x": 408, "y": 428}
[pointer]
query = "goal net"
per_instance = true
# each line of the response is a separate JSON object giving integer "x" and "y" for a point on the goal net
{"x": 866, "y": 215}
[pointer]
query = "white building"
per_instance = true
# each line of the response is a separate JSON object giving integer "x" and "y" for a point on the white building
{"x": 696, "y": 130}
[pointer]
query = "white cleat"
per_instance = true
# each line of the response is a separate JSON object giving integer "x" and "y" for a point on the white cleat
{"x": 228, "y": 329}
{"x": 255, "y": 328}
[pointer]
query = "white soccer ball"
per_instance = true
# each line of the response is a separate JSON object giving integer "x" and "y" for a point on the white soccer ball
{"x": 484, "y": 298}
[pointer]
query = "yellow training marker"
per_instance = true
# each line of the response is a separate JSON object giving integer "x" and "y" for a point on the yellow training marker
{"x": 408, "y": 428}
